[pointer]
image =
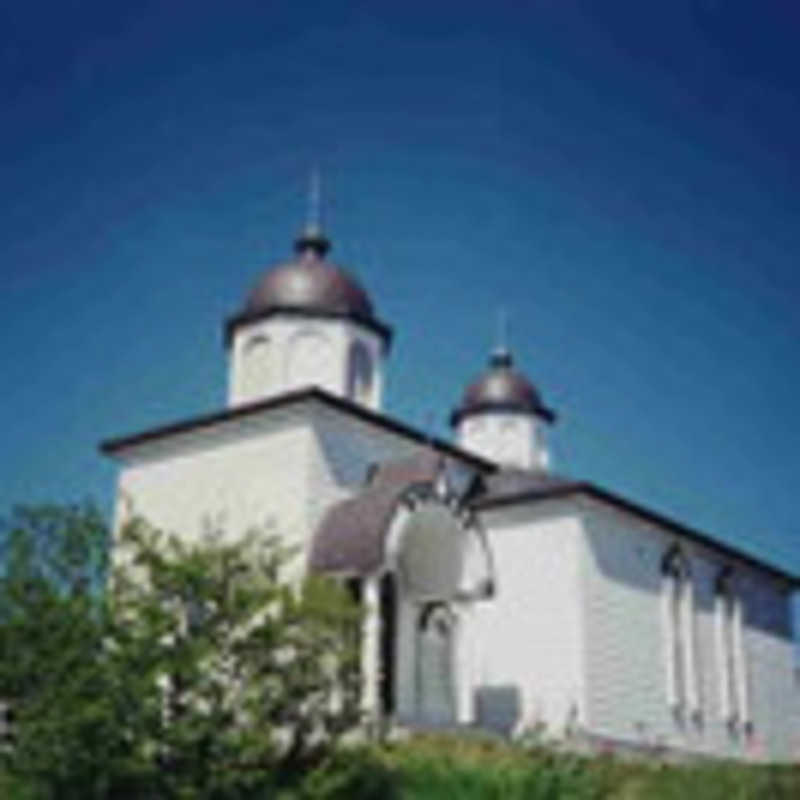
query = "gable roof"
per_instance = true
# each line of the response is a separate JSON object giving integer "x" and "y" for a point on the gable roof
{"x": 116, "y": 445}
{"x": 502, "y": 487}
{"x": 519, "y": 487}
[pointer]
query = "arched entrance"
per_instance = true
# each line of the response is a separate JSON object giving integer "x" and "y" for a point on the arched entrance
{"x": 440, "y": 566}
{"x": 422, "y": 560}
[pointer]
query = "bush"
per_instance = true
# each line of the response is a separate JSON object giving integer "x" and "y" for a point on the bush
{"x": 192, "y": 672}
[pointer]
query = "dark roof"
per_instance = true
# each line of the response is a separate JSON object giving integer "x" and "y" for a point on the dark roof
{"x": 513, "y": 482}
{"x": 117, "y": 444}
{"x": 514, "y": 487}
{"x": 501, "y": 388}
{"x": 500, "y": 488}
{"x": 311, "y": 285}
{"x": 352, "y": 533}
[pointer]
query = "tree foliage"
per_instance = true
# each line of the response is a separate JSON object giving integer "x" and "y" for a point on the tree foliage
{"x": 184, "y": 670}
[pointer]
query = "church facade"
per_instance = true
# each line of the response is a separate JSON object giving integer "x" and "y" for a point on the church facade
{"x": 497, "y": 593}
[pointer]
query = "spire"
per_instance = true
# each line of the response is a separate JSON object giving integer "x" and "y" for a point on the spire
{"x": 312, "y": 238}
{"x": 501, "y": 355}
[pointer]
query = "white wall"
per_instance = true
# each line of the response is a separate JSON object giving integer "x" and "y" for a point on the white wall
{"x": 277, "y": 470}
{"x": 343, "y": 448}
{"x": 625, "y": 646}
{"x": 528, "y": 635}
{"x": 241, "y": 474}
{"x": 507, "y": 438}
{"x": 285, "y": 352}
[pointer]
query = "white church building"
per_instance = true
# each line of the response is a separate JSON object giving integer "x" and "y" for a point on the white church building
{"x": 497, "y": 593}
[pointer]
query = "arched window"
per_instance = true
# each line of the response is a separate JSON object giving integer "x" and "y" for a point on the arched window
{"x": 257, "y": 366}
{"x": 360, "y": 373}
{"x": 731, "y": 660}
{"x": 311, "y": 361}
{"x": 678, "y": 625}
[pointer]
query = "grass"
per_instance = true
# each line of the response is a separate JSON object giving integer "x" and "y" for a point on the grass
{"x": 441, "y": 767}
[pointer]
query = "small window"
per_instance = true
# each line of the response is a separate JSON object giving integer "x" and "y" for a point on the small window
{"x": 360, "y": 373}
{"x": 257, "y": 366}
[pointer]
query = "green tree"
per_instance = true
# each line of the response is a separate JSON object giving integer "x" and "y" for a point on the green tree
{"x": 71, "y": 726}
{"x": 188, "y": 670}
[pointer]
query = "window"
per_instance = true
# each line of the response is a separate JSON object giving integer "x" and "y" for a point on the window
{"x": 360, "y": 373}
{"x": 257, "y": 377}
{"x": 731, "y": 667}
{"x": 311, "y": 361}
{"x": 678, "y": 624}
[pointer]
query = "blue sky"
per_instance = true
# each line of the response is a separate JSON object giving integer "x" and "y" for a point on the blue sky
{"x": 621, "y": 177}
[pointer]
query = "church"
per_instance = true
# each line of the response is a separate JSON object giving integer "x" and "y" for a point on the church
{"x": 498, "y": 594}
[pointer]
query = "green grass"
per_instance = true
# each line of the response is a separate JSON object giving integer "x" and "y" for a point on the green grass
{"x": 466, "y": 768}
{"x": 453, "y": 768}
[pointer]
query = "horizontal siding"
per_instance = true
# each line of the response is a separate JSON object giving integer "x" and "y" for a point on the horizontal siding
{"x": 249, "y": 477}
{"x": 624, "y": 645}
{"x": 528, "y": 633}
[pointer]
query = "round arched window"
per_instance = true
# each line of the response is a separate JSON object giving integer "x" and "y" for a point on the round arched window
{"x": 311, "y": 361}
{"x": 257, "y": 365}
{"x": 360, "y": 373}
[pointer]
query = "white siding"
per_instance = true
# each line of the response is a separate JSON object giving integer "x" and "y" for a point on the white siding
{"x": 528, "y": 635}
{"x": 343, "y": 449}
{"x": 278, "y": 471}
{"x": 506, "y": 438}
{"x": 288, "y": 365}
{"x": 624, "y": 644}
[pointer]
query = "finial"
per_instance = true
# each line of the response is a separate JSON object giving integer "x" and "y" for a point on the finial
{"x": 312, "y": 238}
{"x": 501, "y": 355}
{"x": 314, "y": 219}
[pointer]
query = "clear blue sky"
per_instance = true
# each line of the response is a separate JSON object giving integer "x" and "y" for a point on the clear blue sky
{"x": 623, "y": 177}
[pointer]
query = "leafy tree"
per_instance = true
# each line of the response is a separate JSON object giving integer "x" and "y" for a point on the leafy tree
{"x": 188, "y": 670}
{"x": 70, "y": 728}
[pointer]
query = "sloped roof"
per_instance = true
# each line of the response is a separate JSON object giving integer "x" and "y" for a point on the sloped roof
{"x": 510, "y": 487}
{"x": 351, "y": 535}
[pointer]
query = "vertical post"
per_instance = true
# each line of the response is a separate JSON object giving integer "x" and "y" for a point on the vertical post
{"x": 370, "y": 648}
{"x": 465, "y": 712}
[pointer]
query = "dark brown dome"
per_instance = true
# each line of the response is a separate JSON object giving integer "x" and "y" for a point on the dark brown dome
{"x": 501, "y": 388}
{"x": 310, "y": 284}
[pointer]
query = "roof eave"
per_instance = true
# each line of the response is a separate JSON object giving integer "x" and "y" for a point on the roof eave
{"x": 114, "y": 446}
{"x": 597, "y": 492}
{"x": 543, "y": 412}
{"x": 245, "y": 317}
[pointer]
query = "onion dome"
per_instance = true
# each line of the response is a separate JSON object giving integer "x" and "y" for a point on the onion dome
{"x": 501, "y": 388}
{"x": 310, "y": 285}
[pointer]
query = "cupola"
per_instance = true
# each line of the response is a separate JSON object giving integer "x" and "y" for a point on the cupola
{"x": 502, "y": 417}
{"x": 307, "y": 322}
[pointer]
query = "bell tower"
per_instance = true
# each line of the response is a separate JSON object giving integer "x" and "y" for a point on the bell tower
{"x": 502, "y": 418}
{"x": 307, "y": 322}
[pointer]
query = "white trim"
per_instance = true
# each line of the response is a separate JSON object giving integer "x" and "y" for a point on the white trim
{"x": 690, "y": 670}
{"x": 739, "y": 659}
{"x": 668, "y": 588}
{"x": 720, "y": 623}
